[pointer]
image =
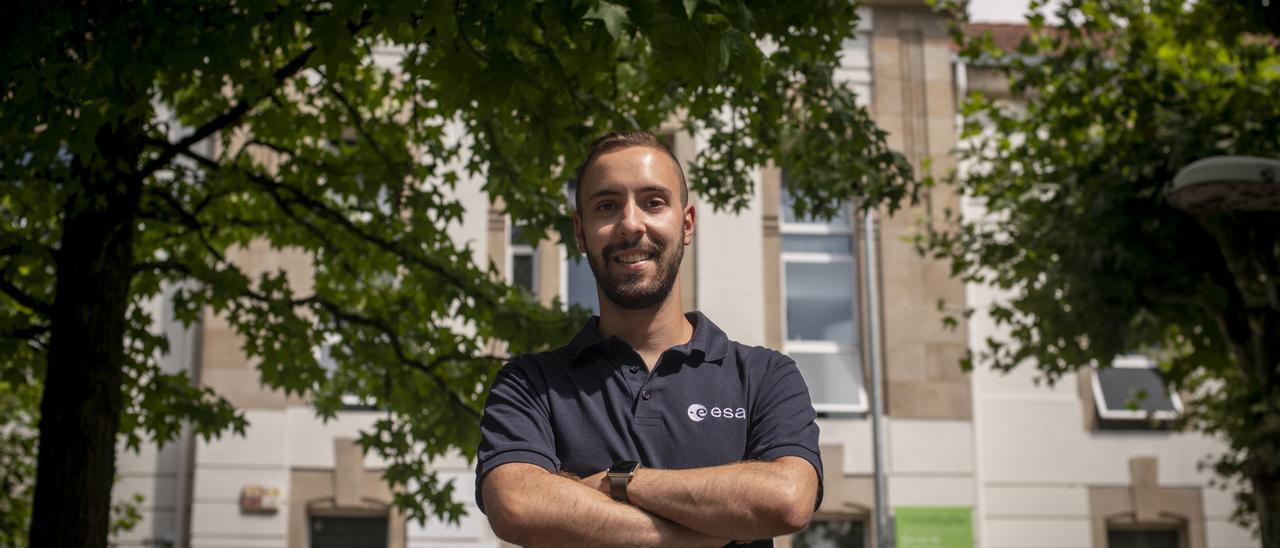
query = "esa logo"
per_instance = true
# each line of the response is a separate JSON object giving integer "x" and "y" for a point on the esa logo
{"x": 698, "y": 412}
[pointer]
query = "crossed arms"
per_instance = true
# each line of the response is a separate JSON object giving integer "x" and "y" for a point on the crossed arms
{"x": 530, "y": 506}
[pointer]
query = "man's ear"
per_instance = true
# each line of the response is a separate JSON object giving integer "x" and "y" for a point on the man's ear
{"x": 577, "y": 233}
{"x": 690, "y": 216}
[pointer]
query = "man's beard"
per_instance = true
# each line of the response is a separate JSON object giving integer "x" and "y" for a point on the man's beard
{"x": 631, "y": 290}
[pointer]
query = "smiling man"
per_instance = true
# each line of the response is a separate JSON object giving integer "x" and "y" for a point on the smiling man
{"x": 651, "y": 427}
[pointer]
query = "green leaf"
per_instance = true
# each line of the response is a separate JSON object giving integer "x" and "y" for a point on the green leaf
{"x": 689, "y": 7}
{"x": 613, "y": 16}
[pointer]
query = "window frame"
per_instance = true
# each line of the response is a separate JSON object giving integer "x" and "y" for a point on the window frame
{"x": 520, "y": 248}
{"x": 350, "y": 402}
{"x": 1179, "y": 530}
{"x": 565, "y": 265}
{"x": 1132, "y": 362}
{"x": 821, "y": 347}
{"x": 314, "y": 515}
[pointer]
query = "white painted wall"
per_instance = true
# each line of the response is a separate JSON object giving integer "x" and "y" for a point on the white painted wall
{"x": 152, "y": 471}
{"x": 1036, "y": 461}
{"x": 223, "y": 466}
{"x": 730, "y": 268}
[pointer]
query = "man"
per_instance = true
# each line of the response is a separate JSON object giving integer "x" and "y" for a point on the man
{"x": 651, "y": 427}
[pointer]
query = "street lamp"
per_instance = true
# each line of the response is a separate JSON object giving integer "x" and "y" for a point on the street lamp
{"x": 1237, "y": 200}
{"x": 1226, "y": 184}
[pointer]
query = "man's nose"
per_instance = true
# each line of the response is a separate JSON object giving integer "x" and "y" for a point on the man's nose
{"x": 632, "y": 219}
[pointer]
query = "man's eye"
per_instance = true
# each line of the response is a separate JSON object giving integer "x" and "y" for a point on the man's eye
{"x": 656, "y": 203}
{"x": 605, "y": 206}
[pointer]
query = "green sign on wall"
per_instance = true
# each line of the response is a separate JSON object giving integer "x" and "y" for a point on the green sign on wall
{"x": 933, "y": 527}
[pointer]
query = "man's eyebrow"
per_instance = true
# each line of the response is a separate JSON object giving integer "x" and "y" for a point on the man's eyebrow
{"x": 603, "y": 192}
{"x": 610, "y": 191}
{"x": 656, "y": 188}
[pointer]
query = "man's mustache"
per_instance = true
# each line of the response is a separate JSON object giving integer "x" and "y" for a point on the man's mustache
{"x": 639, "y": 243}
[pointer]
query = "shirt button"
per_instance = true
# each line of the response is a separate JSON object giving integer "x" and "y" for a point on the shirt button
{"x": 646, "y": 395}
{"x": 634, "y": 369}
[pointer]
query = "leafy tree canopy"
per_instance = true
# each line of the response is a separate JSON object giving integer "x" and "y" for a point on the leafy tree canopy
{"x": 1108, "y": 104}
{"x": 180, "y": 131}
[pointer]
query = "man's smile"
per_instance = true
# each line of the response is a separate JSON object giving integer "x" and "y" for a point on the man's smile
{"x": 633, "y": 259}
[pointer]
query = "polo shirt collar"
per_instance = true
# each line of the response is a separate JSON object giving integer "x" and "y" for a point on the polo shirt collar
{"x": 707, "y": 339}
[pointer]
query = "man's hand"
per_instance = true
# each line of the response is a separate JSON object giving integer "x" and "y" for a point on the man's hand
{"x": 600, "y": 482}
{"x": 531, "y": 507}
{"x": 753, "y": 500}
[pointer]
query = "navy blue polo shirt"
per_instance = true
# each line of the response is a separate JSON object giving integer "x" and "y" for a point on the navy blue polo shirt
{"x": 585, "y": 406}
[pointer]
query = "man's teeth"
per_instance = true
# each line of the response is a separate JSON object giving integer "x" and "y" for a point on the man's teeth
{"x": 633, "y": 257}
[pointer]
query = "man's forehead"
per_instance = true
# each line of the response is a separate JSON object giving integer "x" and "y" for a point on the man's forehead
{"x": 625, "y": 167}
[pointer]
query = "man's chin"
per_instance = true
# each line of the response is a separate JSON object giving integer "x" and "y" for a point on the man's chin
{"x": 637, "y": 297}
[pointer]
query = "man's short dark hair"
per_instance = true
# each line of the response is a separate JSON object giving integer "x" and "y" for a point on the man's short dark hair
{"x": 625, "y": 139}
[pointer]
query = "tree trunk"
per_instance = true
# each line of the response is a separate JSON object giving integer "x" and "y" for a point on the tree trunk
{"x": 82, "y": 401}
{"x": 1266, "y": 496}
{"x": 1249, "y": 242}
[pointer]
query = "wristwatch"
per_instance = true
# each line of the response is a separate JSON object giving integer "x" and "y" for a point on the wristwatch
{"x": 620, "y": 475}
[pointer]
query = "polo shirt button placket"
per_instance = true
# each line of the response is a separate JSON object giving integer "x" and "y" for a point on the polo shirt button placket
{"x": 646, "y": 395}
{"x": 635, "y": 369}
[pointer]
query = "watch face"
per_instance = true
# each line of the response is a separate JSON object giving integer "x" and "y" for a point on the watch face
{"x": 624, "y": 467}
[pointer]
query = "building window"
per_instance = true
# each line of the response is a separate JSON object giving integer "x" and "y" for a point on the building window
{"x": 522, "y": 260}
{"x": 324, "y": 356}
{"x": 580, "y": 284}
{"x": 831, "y": 534}
{"x": 1132, "y": 393}
{"x": 1138, "y": 538}
{"x": 348, "y": 532}
{"x": 819, "y": 303}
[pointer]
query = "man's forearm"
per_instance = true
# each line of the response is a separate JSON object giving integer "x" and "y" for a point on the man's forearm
{"x": 532, "y": 507}
{"x": 746, "y": 500}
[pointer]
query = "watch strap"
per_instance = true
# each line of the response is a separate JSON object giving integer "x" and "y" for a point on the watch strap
{"x": 618, "y": 487}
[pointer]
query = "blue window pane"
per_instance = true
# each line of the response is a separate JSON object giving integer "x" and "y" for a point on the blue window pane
{"x": 837, "y": 244}
{"x": 820, "y": 302}
{"x": 582, "y": 284}
{"x": 1138, "y": 389}
{"x": 518, "y": 235}
{"x": 522, "y": 272}
{"x": 833, "y": 379}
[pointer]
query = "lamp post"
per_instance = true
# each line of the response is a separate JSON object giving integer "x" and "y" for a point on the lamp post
{"x": 1237, "y": 200}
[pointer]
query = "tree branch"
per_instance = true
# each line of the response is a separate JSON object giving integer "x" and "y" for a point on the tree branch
{"x": 24, "y": 242}
{"x": 393, "y": 338}
{"x": 462, "y": 32}
{"x": 187, "y": 219}
{"x": 28, "y": 332}
{"x": 298, "y": 198}
{"x": 16, "y": 293}
{"x": 22, "y": 298}
{"x": 233, "y": 116}
{"x": 358, "y": 121}
{"x": 228, "y": 118}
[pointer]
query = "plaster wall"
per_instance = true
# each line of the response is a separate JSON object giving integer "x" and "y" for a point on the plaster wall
{"x": 730, "y": 279}
{"x": 1038, "y": 458}
{"x": 280, "y": 442}
{"x": 153, "y": 473}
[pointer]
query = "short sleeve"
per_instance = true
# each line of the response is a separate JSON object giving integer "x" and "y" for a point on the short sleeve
{"x": 783, "y": 419}
{"x": 515, "y": 427}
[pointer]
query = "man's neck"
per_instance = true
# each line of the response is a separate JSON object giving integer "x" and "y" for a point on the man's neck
{"x": 649, "y": 332}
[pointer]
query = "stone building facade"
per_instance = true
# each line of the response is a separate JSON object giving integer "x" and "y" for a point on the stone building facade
{"x": 1030, "y": 465}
